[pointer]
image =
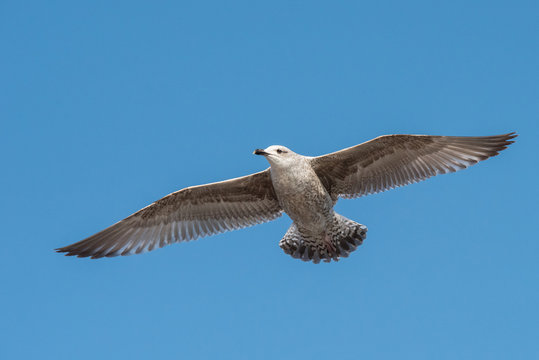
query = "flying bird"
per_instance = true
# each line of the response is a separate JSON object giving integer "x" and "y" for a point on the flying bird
{"x": 304, "y": 187}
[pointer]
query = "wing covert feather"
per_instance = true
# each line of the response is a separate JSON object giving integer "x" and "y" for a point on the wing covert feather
{"x": 390, "y": 161}
{"x": 186, "y": 215}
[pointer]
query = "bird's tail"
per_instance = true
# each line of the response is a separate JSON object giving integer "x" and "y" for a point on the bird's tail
{"x": 340, "y": 240}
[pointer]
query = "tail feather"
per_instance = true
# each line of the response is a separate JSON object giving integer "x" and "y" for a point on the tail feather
{"x": 339, "y": 241}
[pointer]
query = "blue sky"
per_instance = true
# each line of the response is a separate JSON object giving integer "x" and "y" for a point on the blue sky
{"x": 108, "y": 106}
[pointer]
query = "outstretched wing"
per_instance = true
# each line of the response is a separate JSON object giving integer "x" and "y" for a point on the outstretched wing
{"x": 390, "y": 161}
{"x": 186, "y": 215}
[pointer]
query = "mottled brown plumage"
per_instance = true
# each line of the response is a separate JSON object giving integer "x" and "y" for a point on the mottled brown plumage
{"x": 186, "y": 215}
{"x": 304, "y": 187}
{"x": 395, "y": 160}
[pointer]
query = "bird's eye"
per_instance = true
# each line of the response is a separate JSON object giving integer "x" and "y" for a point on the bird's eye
{"x": 279, "y": 151}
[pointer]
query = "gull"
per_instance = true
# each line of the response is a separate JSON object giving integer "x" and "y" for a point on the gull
{"x": 306, "y": 188}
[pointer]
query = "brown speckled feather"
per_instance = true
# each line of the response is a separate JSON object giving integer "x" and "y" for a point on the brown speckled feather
{"x": 390, "y": 161}
{"x": 185, "y": 215}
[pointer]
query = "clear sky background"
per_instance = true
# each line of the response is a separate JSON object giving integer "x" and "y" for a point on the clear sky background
{"x": 106, "y": 106}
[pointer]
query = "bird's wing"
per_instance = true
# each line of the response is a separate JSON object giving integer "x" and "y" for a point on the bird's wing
{"x": 186, "y": 215}
{"x": 390, "y": 161}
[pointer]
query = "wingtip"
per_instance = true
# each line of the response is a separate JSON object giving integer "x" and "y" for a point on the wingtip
{"x": 508, "y": 138}
{"x": 67, "y": 252}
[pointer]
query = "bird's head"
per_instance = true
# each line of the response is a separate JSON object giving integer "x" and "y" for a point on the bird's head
{"x": 277, "y": 154}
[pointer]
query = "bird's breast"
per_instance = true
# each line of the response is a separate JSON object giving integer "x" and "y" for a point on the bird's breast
{"x": 302, "y": 196}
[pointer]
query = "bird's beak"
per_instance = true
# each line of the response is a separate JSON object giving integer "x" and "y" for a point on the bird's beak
{"x": 260, "y": 152}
